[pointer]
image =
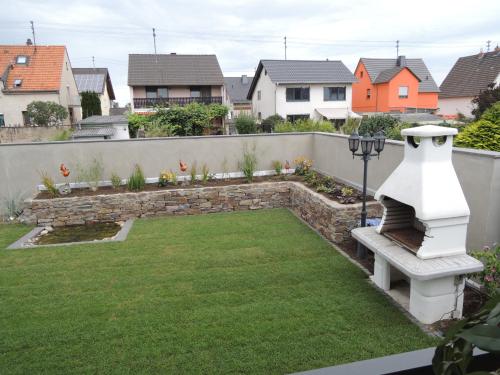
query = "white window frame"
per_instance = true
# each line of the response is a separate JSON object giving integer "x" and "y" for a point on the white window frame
{"x": 403, "y": 92}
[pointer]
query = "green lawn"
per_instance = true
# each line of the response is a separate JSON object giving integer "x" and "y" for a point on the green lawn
{"x": 249, "y": 292}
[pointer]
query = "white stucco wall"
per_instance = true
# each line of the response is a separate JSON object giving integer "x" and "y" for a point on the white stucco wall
{"x": 452, "y": 106}
{"x": 267, "y": 104}
{"x": 12, "y": 105}
{"x": 121, "y": 131}
{"x": 284, "y": 108}
{"x": 69, "y": 96}
{"x": 105, "y": 101}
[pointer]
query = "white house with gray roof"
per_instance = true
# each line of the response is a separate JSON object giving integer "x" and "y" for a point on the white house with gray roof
{"x": 297, "y": 89}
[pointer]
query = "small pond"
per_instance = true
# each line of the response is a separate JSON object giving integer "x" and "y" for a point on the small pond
{"x": 78, "y": 233}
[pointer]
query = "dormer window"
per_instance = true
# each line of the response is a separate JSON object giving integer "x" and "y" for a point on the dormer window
{"x": 22, "y": 60}
{"x": 18, "y": 83}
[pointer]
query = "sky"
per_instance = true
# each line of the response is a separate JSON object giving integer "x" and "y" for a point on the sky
{"x": 242, "y": 32}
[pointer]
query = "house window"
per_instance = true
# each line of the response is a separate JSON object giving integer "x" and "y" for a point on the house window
{"x": 297, "y": 94}
{"x": 200, "y": 91}
{"x": 403, "y": 92}
{"x": 26, "y": 118}
{"x": 22, "y": 60}
{"x": 293, "y": 118}
{"x": 151, "y": 92}
{"x": 333, "y": 94}
{"x": 259, "y": 116}
{"x": 259, "y": 95}
{"x": 361, "y": 74}
{"x": 2, "y": 119}
{"x": 18, "y": 83}
{"x": 162, "y": 92}
{"x": 368, "y": 93}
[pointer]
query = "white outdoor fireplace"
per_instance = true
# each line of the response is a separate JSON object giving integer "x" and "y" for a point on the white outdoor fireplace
{"x": 421, "y": 238}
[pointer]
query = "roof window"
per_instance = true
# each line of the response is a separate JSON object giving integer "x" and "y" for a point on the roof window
{"x": 18, "y": 82}
{"x": 22, "y": 59}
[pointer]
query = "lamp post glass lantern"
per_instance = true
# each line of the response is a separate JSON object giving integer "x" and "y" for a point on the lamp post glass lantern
{"x": 367, "y": 145}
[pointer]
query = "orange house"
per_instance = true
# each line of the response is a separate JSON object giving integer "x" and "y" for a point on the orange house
{"x": 394, "y": 85}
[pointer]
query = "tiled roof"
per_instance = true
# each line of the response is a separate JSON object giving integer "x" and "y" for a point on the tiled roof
{"x": 94, "y": 132}
{"x": 375, "y": 67}
{"x": 387, "y": 75}
{"x": 237, "y": 89}
{"x": 173, "y": 69}
{"x": 103, "y": 120}
{"x": 93, "y": 80}
{"x": 471, "y": 74}
{"x": 42, "y": 72}
{"x": 303, "y": 71}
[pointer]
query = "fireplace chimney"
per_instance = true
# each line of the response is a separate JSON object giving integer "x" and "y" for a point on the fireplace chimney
{"x": 244, "y": 79}
{"x": 401, "y": 62}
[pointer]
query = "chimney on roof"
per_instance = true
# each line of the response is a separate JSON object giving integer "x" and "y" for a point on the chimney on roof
{"x": 480, "y": 54}
{"x": 401, "y": 62}
{"x": 29, "y": 42}
{"x": 497, "y": 49}
{"x": 244, "y": 79}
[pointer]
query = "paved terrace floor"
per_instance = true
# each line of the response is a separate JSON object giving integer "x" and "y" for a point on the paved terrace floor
{"x": 247, "y": 292}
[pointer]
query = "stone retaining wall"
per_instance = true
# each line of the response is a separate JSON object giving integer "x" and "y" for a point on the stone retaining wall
{"x": 330, "y": 218}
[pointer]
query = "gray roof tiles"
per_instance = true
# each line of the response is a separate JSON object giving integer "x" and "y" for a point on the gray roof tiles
{"x": 303, "y": 71}
{"x": 385, "y": 67}
{"x": 236, "y": 88}
{"x": 173, "y": 69}
{"x": 470, "y": 75}
{"x": 94, "y": 132}
{"x": 103, "y": 120}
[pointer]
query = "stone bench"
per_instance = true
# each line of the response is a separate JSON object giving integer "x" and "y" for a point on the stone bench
{"x": 436, "y": 285}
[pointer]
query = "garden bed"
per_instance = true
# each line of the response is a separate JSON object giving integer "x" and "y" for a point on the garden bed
{"x": 331, "y": 218}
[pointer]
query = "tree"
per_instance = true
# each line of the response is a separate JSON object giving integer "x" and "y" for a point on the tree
{"x": 91, "y": 104}
{"x": 485, "y": 100}
{"x": 245, "y": 124}
{"x": 46, "y": 113}
{"x": 269, "y": 123}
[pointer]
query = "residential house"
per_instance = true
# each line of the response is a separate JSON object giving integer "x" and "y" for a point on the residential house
{"x": 236, "y": 95}
{"x": 156, "y": 79}
{"x": 469, "y": 76}
{"x": 296, "y": 89}
{"x": 35, "y": 73}
{"x": 102, "y": 127}
{"x": 394, "y": 85}
{"x": 96, "y": 80}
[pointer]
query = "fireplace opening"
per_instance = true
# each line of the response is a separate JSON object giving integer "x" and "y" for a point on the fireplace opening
{"x": 401, "y": 225}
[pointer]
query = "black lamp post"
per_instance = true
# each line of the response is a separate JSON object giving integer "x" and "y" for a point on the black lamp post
{"x": 368, "y": 143}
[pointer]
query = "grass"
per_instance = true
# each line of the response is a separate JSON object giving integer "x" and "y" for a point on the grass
{"x": 248, "y": 292}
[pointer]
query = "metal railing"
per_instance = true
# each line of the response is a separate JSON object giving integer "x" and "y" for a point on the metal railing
{"x": 166, "y": 102}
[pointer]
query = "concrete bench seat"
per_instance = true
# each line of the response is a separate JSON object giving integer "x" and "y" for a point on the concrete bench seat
{"x": 436, "y": 285}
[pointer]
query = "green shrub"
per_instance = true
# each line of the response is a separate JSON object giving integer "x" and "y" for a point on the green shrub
{"x": 374, "y": 124}
{"x": 136, "y": 181}
{"x": 49, "y": 184}
{"x": 492, "y": 114}
{"x": 350, "y": 126}
{"x": 395, "y": 131}
{"x": 269, "y": 123}
{"x": 249, "y": 164}
{"x": 116, "y": 181}
{"x": 192, "y": 172}
{"x": 90, "y": 173}
{"x": 136, "y": 122}
{"x": 305, "y": 125}
{"x": 481, "y": 134}
{"x": 63, "y": 135}
{"x": 46, "y": 113}
{"x": 205, "y": 173}
{"x": 278, "y": 167}
{"x": 490, "y": 275}
{"x": 245, "y": 124}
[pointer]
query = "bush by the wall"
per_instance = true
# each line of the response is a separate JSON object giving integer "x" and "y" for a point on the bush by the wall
{"x": 481, "y": 134}
{"x": 374, "y": 124}
{"x": 269, "y": 123}
{"x": 245, "y": 124}
{"x": 306, "y": 125}
{"x": 46, "y": 113}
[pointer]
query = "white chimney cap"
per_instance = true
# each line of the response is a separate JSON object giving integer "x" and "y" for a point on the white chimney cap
{"x": 429, "y": 131}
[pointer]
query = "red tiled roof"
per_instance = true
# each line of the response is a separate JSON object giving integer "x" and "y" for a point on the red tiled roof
{"x": 41, "y": 73}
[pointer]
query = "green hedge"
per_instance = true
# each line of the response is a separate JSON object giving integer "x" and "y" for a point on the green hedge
{"x": 307, "y": 125}
{"x": 481, "y": 134}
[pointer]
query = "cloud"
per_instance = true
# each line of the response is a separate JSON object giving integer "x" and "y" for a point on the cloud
{"x": 242, "y": 32}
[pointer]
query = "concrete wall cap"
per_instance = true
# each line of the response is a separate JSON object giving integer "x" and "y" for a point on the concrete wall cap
{"x": 428, "y": 131}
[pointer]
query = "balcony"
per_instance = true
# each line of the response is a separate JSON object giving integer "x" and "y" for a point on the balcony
{"x": 166, "y": 102}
